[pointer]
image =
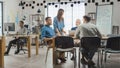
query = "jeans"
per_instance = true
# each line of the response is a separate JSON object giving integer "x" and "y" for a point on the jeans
{"x": 18, "y": 42}
{"x": 88, "y": 53}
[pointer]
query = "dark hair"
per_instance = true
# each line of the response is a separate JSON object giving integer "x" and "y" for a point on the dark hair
{"x": 22, "y": 22}
{"x": 47, "y": 18}
{"x": 87, "y": 18}
{"x": 59, "y": 14}
{"x": 61, "y": 10}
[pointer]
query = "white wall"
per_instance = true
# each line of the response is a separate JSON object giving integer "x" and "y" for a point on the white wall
{"x": 28, "y": 10}
{"x": 10, "y": 10}
{"x": 116, "y": 9}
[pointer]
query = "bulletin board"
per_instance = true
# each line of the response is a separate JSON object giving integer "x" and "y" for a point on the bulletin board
{"x": 104, "y": 18}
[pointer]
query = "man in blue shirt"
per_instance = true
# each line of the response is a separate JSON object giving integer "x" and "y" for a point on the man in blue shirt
{"x": 47, "y": 32}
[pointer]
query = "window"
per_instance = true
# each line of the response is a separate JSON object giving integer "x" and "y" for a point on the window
{"x": 1, "y": 18}
{"x": 70, "y": 13}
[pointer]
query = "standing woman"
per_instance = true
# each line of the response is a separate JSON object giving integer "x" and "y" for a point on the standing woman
{"x": 59, "y": 23}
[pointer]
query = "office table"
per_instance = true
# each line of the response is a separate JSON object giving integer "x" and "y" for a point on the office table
{"x": 2, "y": 48}
{"x": 28, "y": 41}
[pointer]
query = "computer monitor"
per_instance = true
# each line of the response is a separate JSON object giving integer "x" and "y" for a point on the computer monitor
{"x": 9, "y": 26}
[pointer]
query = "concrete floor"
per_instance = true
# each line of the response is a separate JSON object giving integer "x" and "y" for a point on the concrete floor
{"x": 21, "y": 60}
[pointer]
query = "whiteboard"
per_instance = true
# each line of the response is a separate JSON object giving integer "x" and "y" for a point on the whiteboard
{"x": 104, "y": 19}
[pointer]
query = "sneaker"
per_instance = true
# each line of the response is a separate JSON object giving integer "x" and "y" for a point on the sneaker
{"x": 63, "y": 60}
{"x": 83, "y": 61}
{"x": 91, "y": 66}
{"x": 72, "y": 58}
{"x": 6, "y": 54}
{"x": 90, "y": 62}
{"x": 16, "y": 52}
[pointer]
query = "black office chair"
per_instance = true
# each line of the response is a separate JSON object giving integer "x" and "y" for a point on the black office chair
{"x": 90, "y": 43}
{"x": 112, "y": 46}
{"x": 65, "y": 44}
{"x": 23, "y": 42}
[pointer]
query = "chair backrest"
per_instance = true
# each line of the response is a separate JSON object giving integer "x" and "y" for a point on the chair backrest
{"x": 90, "y": 42}
{"x": 64, "y": 42}
{"x": 113, "y": 43}
{"x": 113, "y": 35}
{"x": 23, "y": 41}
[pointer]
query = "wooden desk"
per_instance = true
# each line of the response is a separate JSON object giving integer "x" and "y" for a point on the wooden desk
{"x": 36, "y": 41}
{"x": 2, "y": 48}
{"x": 54, "y": 55}
{"x": 29, "y": 42}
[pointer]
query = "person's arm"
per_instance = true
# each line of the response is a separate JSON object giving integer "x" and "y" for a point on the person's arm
{"x": 63, "y": 27}
{"x": 77, "y": 33}
{"x": 63, "y": 31}
{"x": 47, "y": 39}
{"x": 43, "y": 33}
{"x": 18, "y": 31}
{"x": 56, "y": 27}
{"x": 25, "y": 31}
{"x": 98, "y": 33}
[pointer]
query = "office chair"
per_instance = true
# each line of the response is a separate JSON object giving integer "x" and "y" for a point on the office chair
{"x": 112, "y": 46}
{"x": 23, "y": 42}
{"x": 89, "y": 43}
{"x": 65, "y": 44}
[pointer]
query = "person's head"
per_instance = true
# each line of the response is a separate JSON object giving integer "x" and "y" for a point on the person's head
{"x": 60, "y": 14}
{"x": 21, "y": 24}
{"x": 86, "y": 19}
{"x": 48, "y": 20}
{"x": 78, "y": 22}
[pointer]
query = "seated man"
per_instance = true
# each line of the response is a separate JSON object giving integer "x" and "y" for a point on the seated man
{"x": 87, "y": 29}
{"x": 47, "y": 34}
{"x": 17, "y": 40}
{"x": 73, "y": 29}
{"x": 77, "y": 23}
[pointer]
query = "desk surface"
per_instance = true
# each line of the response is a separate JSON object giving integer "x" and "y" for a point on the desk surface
{"x": 13, "y": 35}
{"x": 105, "y": 38}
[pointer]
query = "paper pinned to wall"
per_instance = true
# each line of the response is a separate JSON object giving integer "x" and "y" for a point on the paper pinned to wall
{"x": 104, "y": 19}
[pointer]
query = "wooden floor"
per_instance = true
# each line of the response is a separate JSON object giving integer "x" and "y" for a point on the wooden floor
{"x": 21, "y": 60}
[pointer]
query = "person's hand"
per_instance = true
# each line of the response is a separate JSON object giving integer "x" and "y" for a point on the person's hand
{"x": 58, "y": 34}
{"x": 16, "y": 37}
{"x": 64, "y": 32}
{"x": 47, "y": 39}
{"x": 76, "y": 41}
